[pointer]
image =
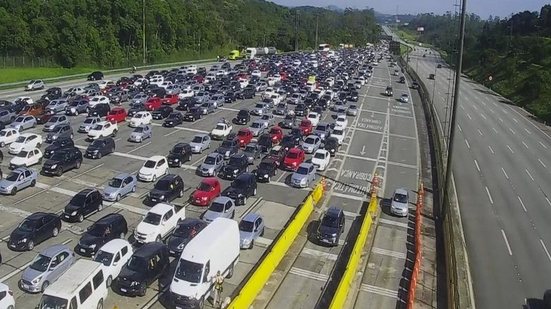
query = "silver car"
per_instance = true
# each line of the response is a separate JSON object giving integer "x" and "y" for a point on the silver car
{"x": 352, "y": 110}
{"x": 207, "y": 108}
{"x": 304, "y": 175}
{"x": 23, "y": 122}
{"x": 400, "y": 200}
{"x": 217, "y": 100}
{"x": 259, "y": 109}
{"x": 221, "y": 207}
{"x": 251, "y": 228}
{"x": 311, "y": 143}
{"x": 211, "y": 165}
{"x": 199, "y": 143}
{"x": 257, "y": 127}
{"x": 88, "y": 124}
{"x": 36, "y": 84}
{"x": 46, "y": 268}
{"x": 55, "y": 121}
{"x": 252, "y": 151}
{"x": 140, "y": 133}
{"x": 7, "y": 116}
{"x": 323, "y": 130}
{"x": 18, "y": 179}
{"x": 267, "y": 120}
{"x": 119, "y": 187}
{"x": 60, "y": 131}
{"x": 57, "y": 106}
{"x": 173, "y": 89}
{"x": 140, "y": 98}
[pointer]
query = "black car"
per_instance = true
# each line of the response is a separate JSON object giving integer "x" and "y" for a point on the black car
{"x": 301, "y": 110}
{"x": 237, "y": 165}
{"x": 331, "y": 227}
{"x": 352, "y": 96}
{"x": 266, "y": 170}
{"x": 101, "y": 232}
{"x": 35, "y": 229}
{"x": 135, "y": 108}
{"x": 229, "y": 97}
{"x": 193, "y": 114}
{"x": 331, "y": 144}
{"x": 99, "y": 110}
{"x": 100, "y": 147}
{"x": 174, "y": 119}
{"x": 186, "y": 103}
{"x": 83, "y": 204}
{"x": 183, "y": 233}
{"x": 97, "y": 75}
{"x": 162, "y": 112}
{"x": 228, "y": 148}
{"x": 243, "y": 187}
{"x": 53, "y": 93}
{"x": 57, "y": 145}
{"x": 290, "y": 141}
{"x": 146, "y": 265}
{"x": 265, "y": 142}
{"x": 287, "y": 122}
{"x": 179, "y": 154}
{"x": 62, "y": 161}
{"x": 168, "y": 188}
{"x": 243, "y": 117}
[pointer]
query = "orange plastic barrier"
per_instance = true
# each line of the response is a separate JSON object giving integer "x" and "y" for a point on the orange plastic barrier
{"x": 418, "y": 246}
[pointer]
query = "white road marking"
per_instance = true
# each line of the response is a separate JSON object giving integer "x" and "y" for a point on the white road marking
{"x": 545, "y": 248}
{"x": 527, "y": 131}
{"x": 467, "y": 142}
{"x": 482, "y": 115}
{"x": 379, "y": 291}
{"x": 460, "y": 106}
{"x": 459, "y": 127}
{"x": 392, "y": 222}
{"x": 394, "y": 254}
{"x": 506, "y": 242}
{"x": 491, "y": 150}
{"x": 489, "y": 195}
{"x": 541, "y": 162}
{"x": 319, "y": 254}
{"x": 512, "y": 131}
{"x": 548, "y": 201}
{"x": 142, "y": 146}
{"x": 500, "y": 120}
{"x": 477, "y": 166}
{"x": 480, "y": 132}
{"x": 543, "y": 145}
{"x": 511, "y": 150}
{"x": 515, "y": 120}
{"x": 522, "y": 204}
{"x": 525, "y": 145}
{"x": 494, "y": 129}
{"x": 505, "y": 173}
{"x": 469, "y": 116}
{"x": 527, "y": 172}
{"x": 308, "y": 274}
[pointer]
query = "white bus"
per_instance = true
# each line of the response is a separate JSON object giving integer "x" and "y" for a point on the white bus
{"x": 324, "y": 47}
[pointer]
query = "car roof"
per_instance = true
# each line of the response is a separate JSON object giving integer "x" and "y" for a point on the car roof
{"x": 210, "y": 181}
{"x": 114, "y": 245}
{"x": 86, "y": 191}
{"x": 110, "y": 218}
{"x": 54, "y": 249}
{"x": 21, "y": 169}
{"x": 161, "y": 208}
{"x": 122, "y": 175}
{"x": 222, "y": 199}
{"x": 169, "y": 177}
{"x": 295, "y": 150}
{"x": 156, "y": 158}
{"x": 38, "y": 215}
{"x": 27, "y": 134}
{"x": 251, "y": 217}
{"x": 333, "y": 211}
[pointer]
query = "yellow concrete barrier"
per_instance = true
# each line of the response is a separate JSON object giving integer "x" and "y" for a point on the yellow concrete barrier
{"x": 373, "y": 205}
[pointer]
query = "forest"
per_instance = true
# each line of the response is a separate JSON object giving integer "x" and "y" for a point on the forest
{"x": 109, "y": 33}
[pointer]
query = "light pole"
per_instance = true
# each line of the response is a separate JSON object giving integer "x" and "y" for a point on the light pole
{"x": 143, "y": 34}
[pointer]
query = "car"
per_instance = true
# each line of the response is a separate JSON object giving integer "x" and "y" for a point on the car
{"x": 321, "y": 159}
{"x": 314, "y": 118}
{"x": 136, "y": 108}
{"x": 277, "y": 153}
{"x": 341, "y": 121}
{"x": 206, "y": 192}
{"x": 290, "y": 141}
{"x": 26, "y": 158}
{"x": 237, "y": 164}
{"x": 33, "y": 230}
{"x": 88, "y": 124}
{"x": 257, "y": 128}
{"x": 276, "y": 134}
{"x": 23, "y": 122}
{"x": 105, "y": 229}
{"x": 58, "y": 144}
{"x": 116, "y": 115}
{"x": 388, "y": 91}
{"x": 119, "y": 186}
{"x": 100, "y": 147}
{"x": 280, "y": 109}
{"x": 251, "y": 227}
{"x": 294, "y": 157}
{"x": 252, "y": 151}
{"x": 330, "y": 227}
{"x": 103, "y": 129}
{"x": 25, "y": 142}
{"x": 162, "y": 112}
{"x": 183, "y": 233}
{"x": 97, "y": 100}
{"x": 140, "y": 118}
{"x": 332, "y": 145}
{"x": 8, "y": 136}
{"x": 193, "y": 114}
{"x": 221, "y": 207}
{"x": 170, "y": 99}
{"x": 174, "y": 119}
{"x": 243, "y": 117}
{"x": 96, "y": 75}
{"x": 60, "y": 131}
{"x": 301, "y": 110}
{"x": 228, "y": 148}
{"x": 6, "y": 296}
{"x": 158, "y": 222}
{"x": 211, "y": 165}
{"x": 244, "y": 136}
{"x": 139, "y": 134}
{"x": 35, "y": 84}
{"x": 207, "y": 108}
{"x": 221, "y": 130}
{"x": 259, "y": 109}
{"x": 288, "y": 122}
{"x": 62, "y": 161}
{"x": 243, "y": 187}
{"x": 311, "y": 143}
{"x": 99, "y": 110}
{"x": 57, "y": 106}
{"x": 400, "y": 201}
{"x": 7, "y": 116}
{"x": 267, "y": 120}
{"x": 338, "y": 133}
{"x": 200, "y": 142}
{"x": 179, "y": 154}
{"x": 153, "y": 103}
{"x": 304, "y": 175}
{"x": 46, "y": 268}
{"x": 147, "y": 264}
{"x": 154, "y": 167}
{"x": 404, "y": 98}
{"x": 323, "y": 130}
{"x": 113, "y": 256}
{"x": 168, "y": 188}
{"x": 305, "y": 127}
{"x": 266, "y": 170}
{"x": 54, "y": 122}
{"x": 83, "y": 204}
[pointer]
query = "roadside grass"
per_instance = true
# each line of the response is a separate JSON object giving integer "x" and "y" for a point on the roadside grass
{"x": 11, "y": 75}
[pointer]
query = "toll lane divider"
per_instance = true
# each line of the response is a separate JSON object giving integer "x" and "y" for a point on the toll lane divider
{"x": 418, "y": 247}
{"x": 275, "y": 253}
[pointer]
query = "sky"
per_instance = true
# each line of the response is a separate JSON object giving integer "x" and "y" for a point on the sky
{"x": 483, "y": 8}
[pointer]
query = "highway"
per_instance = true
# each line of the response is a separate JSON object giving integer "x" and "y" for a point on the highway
{"x": 502, "y": 175}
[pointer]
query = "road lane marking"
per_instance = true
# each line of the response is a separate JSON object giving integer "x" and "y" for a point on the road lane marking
{"x": 515, "y": 120}
{"x": 500, "y": 120}
{"x": 319, "y": 254}
{"x": 489, "y": 195}
{"x": 347, "y": 196}
{"x": 511, "y": 150}
{"x": 545, "y": 248}
{"x": 491, "y": 150}
{"x": 494, "y": 129}
{"x": 142, "y": 146}
{"x": 522, "y": 203}
{"x": 541, "y": 162}
{"x": 482, "y": 115}
{"x": 395, "y": 223}
{"x": 379, "y": 291}
{"x": 548, "y": 201}
{"x": 182, "y": 128}
{"x": 543, "y": 145}
{"x": 525, "y": 145}
{"x": 394, "y": 254}
{"x": 480, "y": 132}
{"x": 459, "y": 127}
{"x": 477, "y": 166}
{"x": 506, "y": 242}
{"x": 512, "y": 131}
{"x": 308, "y": 274}
{"x": 469, "y": 116}
{"x": 527, "y": 131}
{"x": 527, "y": 172}
{"x": 467, "y": 142}
{"x": 505, "y": 173}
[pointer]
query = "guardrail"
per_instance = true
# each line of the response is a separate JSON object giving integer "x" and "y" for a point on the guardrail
{"x": 275, "y": 253}
{"x": 418, "y": 247}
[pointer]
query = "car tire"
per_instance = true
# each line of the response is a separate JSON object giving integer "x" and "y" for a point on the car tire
{"x": 109, "y": 281}
{"x": 251, "y": 245}
{"x": 254, "y": 192}
{"x": 80, "y": 218}
{"x": 122, "y": 235}
{"x": 159, "y": 238}
{"x": 99, "y": 155}
{"x": 114, "y": 133}
{"x": 2, "y": 144}
{"x": 44, "y": 286}
{"x": 30, "y": 245}
{"x": 134, "y": 189}
{"x": 112, "y": 150}
{"x": 55, "y": 232}
{"x": 201, "y": 304}
{"x": 79, "y": 163}
{"x": 118, "y": 198}
{"x": 269, "y": 179}
{"x": 33, "y": 183}
{"x": 244, "y": 200}
{"x": 100, "y": 304}
{"x": 59, "y": 172}
{"x": 154, "y": 178}
{"x": 38, "y": 145}
{"x": 13, "y": 191}
{"x": 262, "y": 233}
{"x": 181, "y": 194}
{"x": 233, "y": 214}
{"x": 230, "y": 271}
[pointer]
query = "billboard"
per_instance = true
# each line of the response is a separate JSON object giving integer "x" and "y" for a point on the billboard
{"x": 420, "y": 29}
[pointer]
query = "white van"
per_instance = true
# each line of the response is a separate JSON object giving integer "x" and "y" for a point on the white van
{"x": 83, "y": 286}
{"x": 215, "y": 248}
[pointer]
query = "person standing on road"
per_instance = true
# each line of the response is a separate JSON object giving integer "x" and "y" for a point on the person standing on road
{"x": 218, "y": 288}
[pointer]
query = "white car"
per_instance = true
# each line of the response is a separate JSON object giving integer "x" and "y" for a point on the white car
{"x": 26, "y": 141}
{"x": 113, "y": 255}
{"x": 7, "y": 301}
{"x": 26, "y": 158}
{"x": 256, "y": 73}
{"x": 311, "y": 143}
{"x": 186, "y": 93}
{"x": 321, "y": 159}
{"x": 27, "y": 100}
{"x": 159, "y": 221}
{"x": 341, "y": 121}
{"x": 99, "y": 99}
{"x": 103, "y": 83}
{"x": 314, "y": 118}
{"x": 404, "y": 98}
{"x": 153, "y": 168}
{"x": 221, "y": 130}
{"x": 8, "y": 136}
{"x": 103, "y": 129}
{"x": 338, "y": 133}
{"x": 140, "y": 118}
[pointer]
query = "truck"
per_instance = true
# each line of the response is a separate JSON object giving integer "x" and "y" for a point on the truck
{"x": 252, "y": 52}
{"x": 235, "y": 55}
{"x": 221, "y": 130}
{"x": 159, "y": 221}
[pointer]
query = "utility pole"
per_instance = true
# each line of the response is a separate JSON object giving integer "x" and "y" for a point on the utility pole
{"x": 454, "y": 105}
{"x": 143, "y": 33}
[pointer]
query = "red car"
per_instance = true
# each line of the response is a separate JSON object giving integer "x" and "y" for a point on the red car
{"x": 293, "y": 159}
{"x": 153, "y": 104}
{"x": 199, "y": 79}
{"x": 277, "y": 135}
{"x": 170, "y": 99}
{"x": 206, "y": 192}
{"x": 305, "y": 127}
{"x": 116, "y": 115}
{"x": 244, "y": 136}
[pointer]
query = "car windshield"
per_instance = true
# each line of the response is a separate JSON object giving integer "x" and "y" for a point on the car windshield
{"x": 256, "y": 125}
{"x": 259, "y": 105}
{"x": 227, "y": 144}
{"x": 330, "y": 221}
{"x": 234, "y": 161}
{"x": 98, "y": 127}
{"x": 337, "y": 132}
{"x": 3, "y": 133}
{"x": 78, "y": 199}
{"x": 115, "y": 183}
{"x": 88, "y": 121}
{"x": 13, "y": 176}
{"x": 27, "y": 225}
{"x": 52, "y": 302}
{"x": 150, "y": 164}
{"x": 197, "y": 139}
{"x": 400, "y": 198}
{"x": 204, "y": 187}
{"x": 152, "y": 218}
{"x": 136, "y": 263}
{"x": 97, "y": 143}
{"x": 189, "y": 271}
{"x": 97, "y": 230}
{"x": 292, "y": 155}
{"x": 22, "y": 154}
{"x": 139, "y": 129}
{"x": 104, "y": 257}
{"x": 173, "y": 115}
{"x": 319, "y": 155}
{"x": 320, "y": 128}
{"x": 302, "y": 170}
{"x": 20, "y": 139}
{"x": 310, "y": 140}
{"x": 138, "y": 115}
{"x": 210, "y": 160}
{"x": 246, "y": 226}
{"x": 184, "y": 230}
{"x": 242, "y": 133}
{"x": 217, "y": 207}
{"x": 220, "y": 127}
{"x": 312, "y": 116}
{"x": 40, "y": 263}
{"x": 264, "y": 165}
{"x": 163, "y": 185}
{"x": 242, "y": 114}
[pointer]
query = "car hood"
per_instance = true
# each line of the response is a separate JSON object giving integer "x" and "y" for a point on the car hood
{"x": 232, "y": 192}
{"x": 6, "y": 183}
{"x": 200, "y": 194}
{"x": 51, "y": 162}
{"x": 93, "y": 148}
{"x": 131, "y": 275}
{"x": 223, "y": 150}
{"x": 52, "y": 148}
{"x": 88, "y": 239}
{"x": 146, "y": 170}
{"x": 175, "y": 241}
{"x": 18, "y": 234}
{"x": 194, "y": 145}
{"x": 211, "y": 215}
{"x": 30, "y": 274}
{"x": 205, "y": 166}
{"x": 157, "y": 192}
{"x": 16, "y": 145}
{"x": 108, "y": 190}
{"x": 70, "y": 208}
{"x": 136, "y": 134}
{"x": 229, "y": 168}
{"x": 399, "y": 205}
{"x": 326, "y": 230}
{"x": 263, "y": 171}
{"x": 243, "y": 235}
{"x": 297, "y": 177}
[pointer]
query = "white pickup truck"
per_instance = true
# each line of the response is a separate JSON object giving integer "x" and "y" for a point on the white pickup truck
{"x": 221, "y": 130}
{"x": 159, "y": 221}
{"x": 103, "y": 129}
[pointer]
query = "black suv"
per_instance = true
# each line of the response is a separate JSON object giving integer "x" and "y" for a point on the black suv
{"x": 266, "y": 170}
{"x": 100, "y": 147}
{"x": 58, "y": 145}
{"x": 174, "y": 119}
{"x": 241, "y": 188}
{"x": 183, "y": 233}
{"x": 146, "y": 265}
{"x": 265, "y": 142}
{"x": 101, "y": 232}
{"x": 287, "y": 122}
{"x": 193, "y": 114}
{"x": 179, "y": 154}
{"x": 228, "y": 148}
{"x": 35, "y": 229}
{"x": 237, "y": 165}
{"x": 243, "y": 117}
{"x": 85, "y": 203}
{"x": 167, "y": 189}
{"x": 100, "y": 110}
{"x": 331, "y": 227}
{"x": 62, "y": 161}
{"x": 162, "y": 112}
{"x": 331, "y": 144}
{"x": 301, "y": 110}
{"x": 97, "y": 75}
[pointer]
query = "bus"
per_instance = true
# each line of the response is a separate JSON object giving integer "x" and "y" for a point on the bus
{"x": 324, "y": 47}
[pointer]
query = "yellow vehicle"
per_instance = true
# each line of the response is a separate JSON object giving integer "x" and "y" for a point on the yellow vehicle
{"x": 234, "y": 55}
